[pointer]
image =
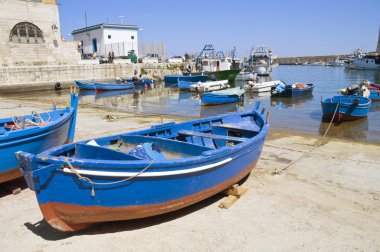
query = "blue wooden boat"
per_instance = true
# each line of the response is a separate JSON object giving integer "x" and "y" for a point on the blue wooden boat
{"x": 222, "y": 96}
{"x": 191, "y": 78}
{"x": 85, "y": 85}
{"x": 34, "y": 133}
{"x": 144, "y": 173}
{"x": 185, "y": 85}
{"x": 139, "y": 81}
{"x": 298, "y": 89}
{"x": 100, "y": 87}
{"x": 345, "y": 108}
{"x": 113, "y": 93}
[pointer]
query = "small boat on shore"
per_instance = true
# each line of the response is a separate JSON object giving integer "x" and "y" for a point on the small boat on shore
{"x": 209, "y": 86}
{"x": 190, "y": 78}
{"x": 222, "y": 96}
{"x": 34, "y": 133}
{"x": 296, "y": 89}
{"x": 259, "y": 87}
{"x": 100, "y": 87}
{"x": 345, "y": 108}
{"x": 85, "y": 85}
{"x": 144, "y": 173}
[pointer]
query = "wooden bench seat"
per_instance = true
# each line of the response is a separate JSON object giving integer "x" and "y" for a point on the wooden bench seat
{"x": 212, "y": 136}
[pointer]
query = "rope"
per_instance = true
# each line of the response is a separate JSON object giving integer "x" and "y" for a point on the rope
{"x": 312, "y": 149}
{"x": 103, "y": 183}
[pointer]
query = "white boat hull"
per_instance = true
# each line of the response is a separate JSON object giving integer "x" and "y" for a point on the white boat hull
{"x": 209, "y": 86}
{"x": 261, "y": 86}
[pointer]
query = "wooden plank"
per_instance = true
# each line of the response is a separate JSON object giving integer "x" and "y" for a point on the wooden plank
{"x": 228, "y": 201}
{"x": 236, "y": 190}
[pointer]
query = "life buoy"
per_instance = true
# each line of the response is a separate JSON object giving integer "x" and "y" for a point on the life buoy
{"x": 57, "y": 86}
{"x": 189, "y": 68}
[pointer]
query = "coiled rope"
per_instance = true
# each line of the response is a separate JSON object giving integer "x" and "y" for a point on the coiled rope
{"x": 80, "y": 177}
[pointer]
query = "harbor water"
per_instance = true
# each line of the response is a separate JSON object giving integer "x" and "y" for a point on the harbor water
{"x": 298, "y": 114}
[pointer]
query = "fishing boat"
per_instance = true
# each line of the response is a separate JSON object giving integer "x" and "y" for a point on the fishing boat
{"x": 85, "y": 85}
{"x": 366, "y": 89}
{"x": 191, "y": 78}
{"x": 260, "y": 61}
{"x": 296, "y": 89}
{"x": 209, "y": 86}
{"x": 144, "y": 173}
{"x": 100, "y": 87}
{"x": 185, "y": 85}
{"x": 34, "y": 133}
{"x": 222, "y": 96}
{"x": 345, "y": 108}
{"x": 215, "y": 64}
{"x": 259, "y": 87}
{"x": 137, "y": 81}
{"x": 364, "y": 60}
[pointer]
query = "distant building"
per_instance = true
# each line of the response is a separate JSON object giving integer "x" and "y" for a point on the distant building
{"x": 105, "y": 38}
{"x": 30, "y": 34}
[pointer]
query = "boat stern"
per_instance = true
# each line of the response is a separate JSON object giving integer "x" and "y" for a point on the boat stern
{"x": 28, "y": 164}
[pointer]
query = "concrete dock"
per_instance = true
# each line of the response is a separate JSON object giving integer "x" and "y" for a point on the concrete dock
{"x": 302, "y": 195}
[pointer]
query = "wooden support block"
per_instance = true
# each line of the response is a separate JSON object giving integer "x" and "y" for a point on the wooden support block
{"x": 228, "y": 201}
{"x": 16, "y": 191}
{"x": 236, "y": 190}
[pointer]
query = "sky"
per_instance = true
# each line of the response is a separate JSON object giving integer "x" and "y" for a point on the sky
{"x": 290, "y": 28}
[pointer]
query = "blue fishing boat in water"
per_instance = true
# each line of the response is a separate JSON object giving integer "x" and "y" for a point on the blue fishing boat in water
{"x": 34, "y": 133}
{"x": 85, "y": 85}
{"x": 100, "y": 87}
{"x": 345, "y": 108}
{"x": 222, "y": 96}
{"x": 191, "y": 78}
{"x": 185, "y": 85}
{"x": 144, "y": 173}
{"x": 297, "y": 89}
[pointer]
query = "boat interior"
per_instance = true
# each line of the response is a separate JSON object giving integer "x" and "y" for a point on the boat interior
{"x": 170, "y": 140}
{"x": 28, "y": 121}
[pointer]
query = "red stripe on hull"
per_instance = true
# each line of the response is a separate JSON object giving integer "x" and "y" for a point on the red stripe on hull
{"x": 10, "y": 175}
{"x": 68, "y": 217}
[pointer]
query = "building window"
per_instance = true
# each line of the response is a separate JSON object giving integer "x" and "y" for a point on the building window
{"x": 109, "y": 36}
{"x": 26, "y": 33}
{"x": 132, "y": 37}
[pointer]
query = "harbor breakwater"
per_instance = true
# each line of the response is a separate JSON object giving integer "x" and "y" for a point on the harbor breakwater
{"x": 28, "y": 78}
{"x": 308, "y": 59}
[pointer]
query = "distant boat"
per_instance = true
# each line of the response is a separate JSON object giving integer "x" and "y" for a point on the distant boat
{"x": 209, "y": 86}
{"x": 144, "y": 173}
{"x": 222, "y": 96}
{"x": 191, "y": 78}
{"x": 338, "y": 62}
{"x": 259, "y": 87}
{"x": 99, "y": 87}
{"x": 85, "y": 85}
{"x": 34, "y": 133}
{"x": 345, "y": 108}
{"x": 366, "y": 61}
{"x": 296, "y": 89}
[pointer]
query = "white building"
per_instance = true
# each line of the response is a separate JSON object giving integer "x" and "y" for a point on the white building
{"x": 105, "y": 38}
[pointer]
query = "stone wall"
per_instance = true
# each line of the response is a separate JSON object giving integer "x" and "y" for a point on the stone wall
{"x": 54, "y": 51}
{"x": 27, "y": 78}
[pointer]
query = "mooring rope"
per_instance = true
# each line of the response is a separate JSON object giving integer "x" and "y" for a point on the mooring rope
{"x": 312, "y": 149}
{"x": 103, "y": 183}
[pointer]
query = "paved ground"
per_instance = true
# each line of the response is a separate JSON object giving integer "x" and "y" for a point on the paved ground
{"x": 302, "y": 196}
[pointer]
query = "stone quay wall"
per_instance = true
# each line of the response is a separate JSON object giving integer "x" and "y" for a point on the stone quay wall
{"x": 29, "y": 78}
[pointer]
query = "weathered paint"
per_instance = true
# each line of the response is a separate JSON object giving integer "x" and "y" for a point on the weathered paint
{"x": 59, "y": 130}
{"x": 207, "y": 167}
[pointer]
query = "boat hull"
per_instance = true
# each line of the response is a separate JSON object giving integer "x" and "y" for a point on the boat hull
{"x": 35, "y": 140}
{"x": 71, "y": 217}
{"x": 189, "y": 78}
{"x": 209, "y": 99}
{"x": 229, "y": 75}
{"x": 152, "y": 187}
{"x": 289, "y": 91}
{"x": 99, "y": 87}
{"x": 85, "y": 86}
{"x": 345, "y": 108}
